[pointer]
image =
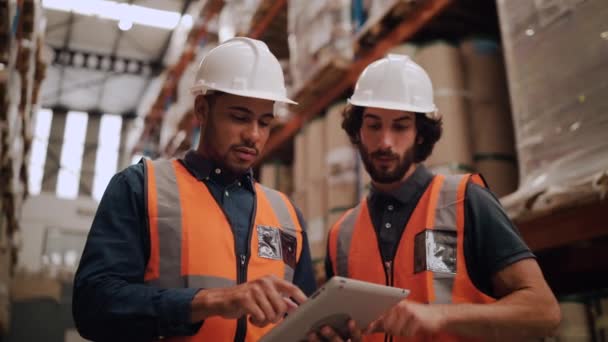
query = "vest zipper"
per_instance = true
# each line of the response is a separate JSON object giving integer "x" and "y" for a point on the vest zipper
{"x": 241, "y": 274}
{"x": 388, "y": 270}
{"x": 241, "y": 325}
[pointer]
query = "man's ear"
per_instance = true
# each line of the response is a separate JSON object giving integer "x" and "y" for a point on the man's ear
{"x": 419, "y": 140}
{"x": 201, "y": 109}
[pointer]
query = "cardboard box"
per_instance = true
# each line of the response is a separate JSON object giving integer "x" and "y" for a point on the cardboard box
{"x": 317, "y": 237}
{"x": 364, "y": 179}
{"x": 575, "y": 325}
{"x": 316, "y": 199}
{"x": 300, "y": 201}
{"x": 299, "y": 163}
{"x": 335, "y": 136}
{"x": 315, "y": 150}
{"x": 5, "y": 281}
{"x": 277, "y": 176}
{"x": 27, "y": 286}
{"x": 333, "y": 216}
{"x": 501, "y": 175}
{"x": 492, "y": 126}
{"x": 341, "y": 162}
{"x": 443, "y": 64}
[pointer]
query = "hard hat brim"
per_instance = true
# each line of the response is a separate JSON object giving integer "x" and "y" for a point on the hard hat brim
{"x": 393, "y": 106}
{"x": 202, "y": 90}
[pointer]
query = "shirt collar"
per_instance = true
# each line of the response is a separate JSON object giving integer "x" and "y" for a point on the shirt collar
{"x": 205, "y": 169}
{"x": 408, "y": 189}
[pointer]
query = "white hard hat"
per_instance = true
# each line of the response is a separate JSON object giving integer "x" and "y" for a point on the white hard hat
{"x": 242, "y": 66}
{"x": 395, "y": 82}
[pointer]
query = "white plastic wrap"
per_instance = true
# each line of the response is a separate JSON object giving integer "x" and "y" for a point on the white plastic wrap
{"x": 235, "y": 18}
{"x": 319, "y": 31}
{"x": 557, "y": 63}
{"x": 134, "y": 131}
{"x": 171, "y": 121}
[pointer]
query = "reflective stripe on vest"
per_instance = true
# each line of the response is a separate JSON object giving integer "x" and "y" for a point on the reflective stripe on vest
{"x": 438, "y": 217}
{"x": 192, "y": 243}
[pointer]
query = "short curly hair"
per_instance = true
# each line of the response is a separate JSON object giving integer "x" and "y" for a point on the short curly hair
{"x": 428, "y": 129}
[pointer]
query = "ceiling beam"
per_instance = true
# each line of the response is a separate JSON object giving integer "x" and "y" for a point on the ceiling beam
{"x": 102, "y": 62}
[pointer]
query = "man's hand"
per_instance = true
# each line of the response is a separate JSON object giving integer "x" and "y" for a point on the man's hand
{"x": 265, "y": 300}
{"x": 328, "y": 334}
{"x": 408, "y": 318}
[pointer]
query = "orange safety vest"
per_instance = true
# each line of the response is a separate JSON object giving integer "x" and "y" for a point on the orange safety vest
{"x": 192, "y": 243}
{"x": 424, "y": 262}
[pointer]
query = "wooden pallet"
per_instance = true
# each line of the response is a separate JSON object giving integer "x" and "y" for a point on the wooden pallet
{"x": 324, "y": 77}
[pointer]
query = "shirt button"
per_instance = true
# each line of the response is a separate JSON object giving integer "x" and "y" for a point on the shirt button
{"x": 227, "y": 194}
{"x": 388, "y": 225}
{"x": 218, "y": 171}
{"x": 239, "y": 183}
{"x": 390, "y": 207}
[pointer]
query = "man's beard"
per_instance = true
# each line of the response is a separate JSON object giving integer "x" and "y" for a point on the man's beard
{"x": 384, "y": 176}
{"x": 221, "y": 158}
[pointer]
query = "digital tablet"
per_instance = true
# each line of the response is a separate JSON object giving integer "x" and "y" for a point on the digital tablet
{"x": 333, "y": 304}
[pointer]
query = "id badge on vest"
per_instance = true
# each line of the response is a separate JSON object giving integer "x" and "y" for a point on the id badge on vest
{"x": 275, "y": 244}
{"x": 435, "y": 251}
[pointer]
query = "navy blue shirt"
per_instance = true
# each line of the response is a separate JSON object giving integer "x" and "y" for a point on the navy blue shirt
{"x": 491, "y": 241}
{"x": 111, "y": 301}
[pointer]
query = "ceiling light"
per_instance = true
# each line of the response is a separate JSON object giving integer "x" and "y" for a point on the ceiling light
{"x": 119, "y": 66}
{"x": 78, "y": 59}
{"x": 92, "y": 61}
{"x": 105, "y": 64}
{"x": 113, "y": 10}
{"x": 125, "y": 25}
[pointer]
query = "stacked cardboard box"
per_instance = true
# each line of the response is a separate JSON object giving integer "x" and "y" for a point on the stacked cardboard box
{"x": 277, "y": 176}
{"x": 299, "y": 172}
{"x": 575, "y": 325}
{"x": 492, "y": 126}
{"x": 26, "y": 286}
{"x": 443, "y": 64}
{"x": 5, "y": 281}
{"x": 341, "y": 163}
{"x": 600, "y": 318}
{"x": 316, "y": 188}
{"x": 557, "y": 68}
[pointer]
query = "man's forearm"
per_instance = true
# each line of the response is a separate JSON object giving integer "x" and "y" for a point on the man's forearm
{"x": 517, "y": 316}
{"x": 115, "y": 310}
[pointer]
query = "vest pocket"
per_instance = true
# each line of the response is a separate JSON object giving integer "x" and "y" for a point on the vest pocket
{"x": 435, "y": 250}
{"x": 269, "y": 242}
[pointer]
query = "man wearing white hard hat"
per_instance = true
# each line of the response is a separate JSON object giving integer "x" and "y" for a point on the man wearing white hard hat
{"x": 444, "y": 237}
{"x": 194, "y": 249}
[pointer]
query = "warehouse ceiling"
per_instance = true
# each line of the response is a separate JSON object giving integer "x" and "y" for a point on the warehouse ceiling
{"x": 98, "y": 66}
